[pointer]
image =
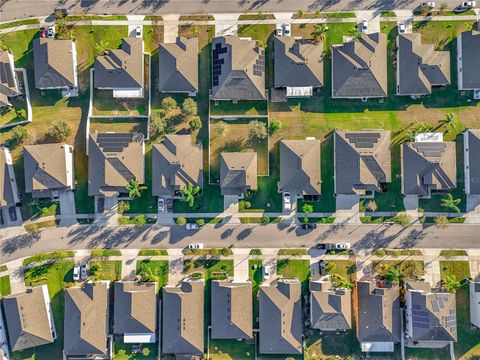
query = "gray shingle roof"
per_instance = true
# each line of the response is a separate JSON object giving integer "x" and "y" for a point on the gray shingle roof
{"x": 362, "y": 161}
{"x": 135, "y": 310}
{"x": 238, "y": 172}
{"x": 27, "y": 319}
{"x": 8, "y": 82}
{"x": 176, "y": 161}
{"x": 359, "y": 68}
{"x": 469, "y": 43}
{"x": 183, "y": 318}
{"x": 330, "y": 308}
{"x": 300, "y": 167}
{"x": 281, "y": 317}
{"x": 86, "y": 320}
{"x": 238, "y": 69}
{"x": 419, "y": 66}
{"x": 378, "y": 313}
{"x": 473, "y": 140}
{"x": 53, "y": 63}
{"x": 428, "y": 166}
{"x": 297, "y": 63}
{"x": 8, "y": 184}
{"x": 178, "y": 65}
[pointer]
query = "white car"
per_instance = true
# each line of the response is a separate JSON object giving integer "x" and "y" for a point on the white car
{"x": 287, "y": 202}
{"x": 138, "y": 32}
{"x": 191, "y": 226}
{"x": 50, "y": 32}
{"x": 195, "y": 246}
{"x": 401, "y": 28}
{"x": 429, "y": 4}
{"x": 364, "y": 25}
{"x": 83, "y": 272}
{"x": 468, "y": 4}
{"x": 266, "y": 272}
{"x": 287, "y": 29}
{"x": 161, "y": 204}
{"x": 279, "y": 30}
{"x": 342, "y": 246}
{"x": 76, "y": 273}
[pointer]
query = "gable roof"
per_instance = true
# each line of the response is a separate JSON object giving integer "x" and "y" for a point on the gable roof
{"x": 114, "y": 159}
{"x": 428, "y": 166}
{"x": 472, "y": 139}
{"x": 121, "y": 68}
{"x": 183, "y": 318}
{"x": 54, "y": 63}
{"x": 8, "y": 185}
{"x": 135, "y": 310}
{"x": 475, "y": 303}
{"x": 330, "y": 308}
{"x": 469, "y": 48}
{"x": 8, "y": 81}
{"x": 27, "y": 319}
{"x": 238, "y": 172}
{"x": 176, "y": 161}
{"x": 300, "y": 167}
{"x": 297, "y": 63}
{"x": 178, "y": 64}
{"x": 359, "y": 68}
{"x": 419, "y": 66}
{"x": 232, "y": 310}
{"x": 362, "y": 161}
{"x": 281, "y": 317}
{"x": 433, "y": 315}
{"x": 378, "y": 313}
{"x": 238, "y": 69}
{"x": 86, "y": 320}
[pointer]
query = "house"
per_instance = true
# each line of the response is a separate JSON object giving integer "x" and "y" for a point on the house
{"x": 238, "y": 173}
{"x": 475, "y": 303}
{"x": 55, "y": 64}
{"x": 178, "y": 66}
{"x": 430, "y": 317}
{"x": 298, "y": 65}
{"x": 4, "y": 345}
{"x": 377, "y": 316}
{"x": 238, "y": 69}
{"x": 183, "y": 319}
{"x": 86, "y": 322}
{"x": 9, "y": 196}
{"x": 29, "y": 318}
{"x": 281, "y": 317}
{"x": 300, "y": 167}
{"x": 468, "y": 52}
{"x": 122, "y": 70}
{"x": 232, "y": 309}
{"x": 9, "y": 85}
{"x": 359, "y": 68}
{"x": 135, "y": 311}
{"x": 114, "y": 159}
{"x": 176, "y": 162}
{"x": 362, "y": 161}
{"x": 330, "y": 307}
{"x": 428, "y": 164}
{"x": 471, "y": 149}
{"x": 419, "y": 66}
{"x": 48, "y": 169}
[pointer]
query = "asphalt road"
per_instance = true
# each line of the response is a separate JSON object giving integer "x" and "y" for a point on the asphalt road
{"x": 252, "y": 236}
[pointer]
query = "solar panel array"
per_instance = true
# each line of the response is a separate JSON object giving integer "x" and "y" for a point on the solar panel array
{"x": 431, "y": 149}
{"x": 259, "y": 66}
{"x": 363, "y": 140}
{"x": 113, "y": 142}
{"x": 374, "y": 167}
{"x": 217, "y": 62}
{"x": 451, "y": 321}
{"x": 420, "y": 317}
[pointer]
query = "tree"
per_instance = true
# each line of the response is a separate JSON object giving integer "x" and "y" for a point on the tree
{"x": 307, "y": 208}
{"x": 139, "y": 220}
{"x": 158, "y": 124}
{"x": 451, "y": 203}
{"x": 147, "y": 274}
{"x": 181, "y": 221}
{"x": 451, "y": 283}
{"x": 18, "y": 135}
{"x": 441, "y": 221}
{"x": 195, "y": 32}
{"x": 189, "y": 107}
{"x": 226, "y": 252}
{"x": 356, "y": 33}
{"x": 275, "y": 125}
{"x": 102, "y": 47}
{"x": 145, "y": 351}
{"x": 213, "y": 252}
{"x": 404, "y": 220}
{"x": 371, "y": 206}
{"x": 59, "y": 131}
{"x": 393, "y": 275}
{"x": 318, "y": 33}
{"x": 300, "y": 13}
{"x": 330, "y": 267}
{"x": 200, "y": 222}
{"x": 134, "y": 189}
{"x": 195, "y": 123}
{"x": 448, "y": 122}
{"x": 123, "y": 206}
{"x": 257, "y": 131}
{"x": 190, "y": 193}
{"x": 221, "y": 129}
{"x": 169, "y": 104}
{"x": 264, "y": 220}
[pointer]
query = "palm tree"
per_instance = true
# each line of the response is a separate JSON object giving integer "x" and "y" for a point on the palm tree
{"x": 356, "y": 33}
{"x": 451, "y": 283}
{"x": 189, "y": 194}
{"x": 102, "y": 47}
{"x": 393, "y": 275}
{"x": 134, "y": 189}
{"x": 319, "y": 31}
{"x": 448, "y": 122}
{"x": 451, "y": 203}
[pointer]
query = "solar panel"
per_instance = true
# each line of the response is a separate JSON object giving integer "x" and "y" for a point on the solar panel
{"x": 416, "y": 307}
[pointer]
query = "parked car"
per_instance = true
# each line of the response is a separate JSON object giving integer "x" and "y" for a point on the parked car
{"x": 468, "y": 5}
{"x": 76, "y": 273}
{"x": 342, "y": 246}
{"x": 287, "y": 202}
{"x": 364, "y": 25}
{"x": 161, "y": 204}
{"x": 195, "y": 246}
{"x": 279, "y": 30}
{"x": 51, "y": 32}
{"x": 1, "y": 217}
{"x": 60, "y": 12}
{"x": 43, "y": 31}
{"x": 321, "y": 268}
{"x": 309, "y": 226}
{"x": 287, "y": 29}
{"x": 266, "y": 272}
{"x": 429, "y": 4}
{"x": 169, "y": 205}
{"x": 191, "y": 226}
{"x": 100, "y": 204}
{"x": 321, "y": 246}
{"x": 401, "y": 28}
{"x": 83, "y": 272}
{"x": 138, "y": 32}
{"x": 12, "y": 213}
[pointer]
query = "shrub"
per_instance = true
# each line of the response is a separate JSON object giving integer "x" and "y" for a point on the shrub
{"x": 200, "y": 222}
{"x": 255, "y": 252}
{"x": 139, "y": 220}
{"x": 187, "y": 251}
{"x": 403, "y": 219}
{"x": 305, "y": 219}
{"x": 123, "y": 206}
{"x": 145, "y": 351}
{"x": 169, "y": 104}
{"x": 257, "y": 131}
{"x": 275, "y": 126}
{"x": 213, "y": 252}
{"x": 265, "y": 220}
{"x": 59, "y": 131}
{"x": 226, "y": 252}
{"x": 371, "y": 206}
{"x": 243, "y": 204}
{"x": 189, "y": 107}
{"x": 18, "y": 135}
{"x": 181, "y": 221}
{"x": 307, "y": 208}
{"x": 195, "y": 123}
{"x": 21, "y": 113}
{"x": 441, "y": 221}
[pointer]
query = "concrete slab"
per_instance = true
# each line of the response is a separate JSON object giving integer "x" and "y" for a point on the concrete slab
{"x": 410, "y": 202}
{"x": 240, "y": 267}
{"x": 175, "y": 269}
{"x": 226, "y": 24}
{"x": 170, "y": 28}
{"x": 67, "y": 207}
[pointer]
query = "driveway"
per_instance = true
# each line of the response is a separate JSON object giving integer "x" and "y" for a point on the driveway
{"x": 170, "y": 28}
{"x": 67, "y": 208}
{"x": 226, "y": 24}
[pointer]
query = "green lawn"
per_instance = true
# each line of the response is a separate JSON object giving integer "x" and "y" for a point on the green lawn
{"x": 299, "y": 269}
{"x": 5, "y": 288}
{"x": 108, "y": 270}
{"x": 153, "y": 252}
{"x": 344, "y": 268}
{"x": 256, "y": 32}
{"x": 122, "y": 351}
{"x": 410, "y": 270}
{"x": 459, "y": 269}
{"x": 156, "y": 268}
{"x": 240, "y": 108}
{"x": 256, "y": 276}
{"x": 231, "y": 350}
{"x": 19, "y": 23}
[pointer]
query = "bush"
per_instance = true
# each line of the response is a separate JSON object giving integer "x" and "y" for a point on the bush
{"x": 21, "y": 113}
{"x": 59, "y": 131}
{"x": 200, "y": 222}
{"x": 158, "y": 125}
{"x": 181, "y": 221}
{"x": 195, "y": 123}
{"x": 213, "y": 252}
{"x": 243, "y": 204}
{"x": 189, "y": 107}
{"x": 139, "y": 220}
{"x": 275, "y": 126}
{"x": 257, "y": 131}
{"x": 226, "y": 252}
{"x": 187, "y": 251}
{"x": 145, "y": 351}
{"x": 169, "y": 104}
{"x": 19, "y": 135}
{"x": 196, "y": 276}
{"x": 255, "y": 252}
{"x": 307, "y": 208}
{"x": 265, "y": 220}
{"x": 403, "y": 219}
{"x": 123, "y": 206}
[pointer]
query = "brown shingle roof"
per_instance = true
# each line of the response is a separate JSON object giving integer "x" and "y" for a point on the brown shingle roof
{"x": 238, "y": 172}
{"x": 8, "y": 81}
{"x": 8, "y": 184}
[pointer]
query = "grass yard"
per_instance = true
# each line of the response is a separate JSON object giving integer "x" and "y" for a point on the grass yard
{"x": 257, "y": 32}
{"x": 459, "y": 269}
{"x": 105, "y": 104}
{"x": 122, "y": 351}
{"x": 410, "y": 270}
{"x": 108, "y": 270}
{"x": 299, "y": 269}
{"x": 241, "y": 108}
{"x": 330, "y": 345}
{"x": 153, "y": 252}
{"x": 231, "y": 350}
{"x": 344, "y": 268}
{"x": 5, "y": 288}
{"x": 256, "y": 277}
{"x": 119, "y": 124}
{"x": 154, "y": 269}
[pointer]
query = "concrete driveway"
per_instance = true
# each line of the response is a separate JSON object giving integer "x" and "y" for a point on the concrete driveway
{"x": 67, "y": 208}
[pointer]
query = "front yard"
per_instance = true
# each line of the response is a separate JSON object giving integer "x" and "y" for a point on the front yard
{"x": 106, "y": 269}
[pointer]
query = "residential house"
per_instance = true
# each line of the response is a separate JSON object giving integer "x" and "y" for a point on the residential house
{"x": 55, "y": 64}
{"x": 86, "y": 322}
{"x": 238, "y": 69}
{"x": 238, "y": 173}
{"x": 359, "y": 68}
{"x": 183, "y": 319}
{"x": 29, "y": 318}
{"x": 178, "y": 66}
{"x": 48, "y": 169}
{"x": 281, "y": 317}
{"x": 300, "y": 167}
{"x": 330, "y": 306}
{"x": 468, "y": 52}
{"x": 362, "y": 161}
{"x": 122, "y": 70}
{"x": 298, "y": 65}
{"x": 232, "y": 309}
{"x": 9, "y": 85}
{"x": 176, "y": 162}
{"x": 430, "y": 317}
{"x": 428, "y": 164}
{"x": 471, "y": 149}
{"x": 419, "y": 66}
{"x": 377, "y": 316}
{"x": 4, "y": 345}
{"x": 135, "y": 311}
{"x": 114, "y": 159}
{"x": 475, "y": 303}
{"x": 9, "y": 196}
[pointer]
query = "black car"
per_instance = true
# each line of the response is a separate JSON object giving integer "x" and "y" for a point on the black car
{"x": 12, "y": 212}
{"x": 321, "y": 246}
{"x": 100, "y": 204}
{"x": 321, "y": 267}
{"x": 309, "y": 226}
